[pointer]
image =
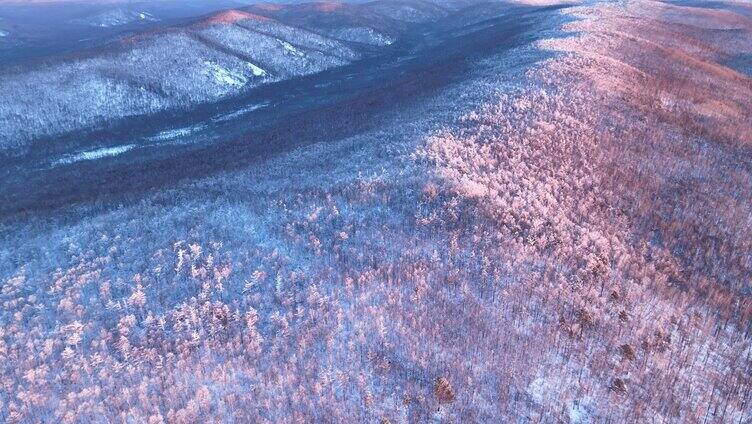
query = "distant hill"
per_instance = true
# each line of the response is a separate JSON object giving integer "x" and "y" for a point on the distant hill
{"x": 209, "y": 58}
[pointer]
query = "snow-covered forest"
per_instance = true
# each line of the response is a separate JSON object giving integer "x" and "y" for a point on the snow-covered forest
{"x": 561, "y": 232}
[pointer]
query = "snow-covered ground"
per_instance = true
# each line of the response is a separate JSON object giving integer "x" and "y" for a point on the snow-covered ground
{"x": 257, "y": 72}
{"x": 237, "y": 113}
{"x": 94, "y": 154}
{"x": 227, "y": 77}
{"x": 176, "y": 133}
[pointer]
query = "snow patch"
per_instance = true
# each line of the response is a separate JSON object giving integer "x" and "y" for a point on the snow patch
{"x": 239, "y": 112}
{"x": 225, "y": 76}
{"x": 257, "y": 72}
{"x": 291, "y": 49}
{"x": 94, "y": 154}
{"x": 176, "y": 133}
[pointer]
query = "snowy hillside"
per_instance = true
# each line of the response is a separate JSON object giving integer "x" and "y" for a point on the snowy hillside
{"x": 216, "y": 57}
